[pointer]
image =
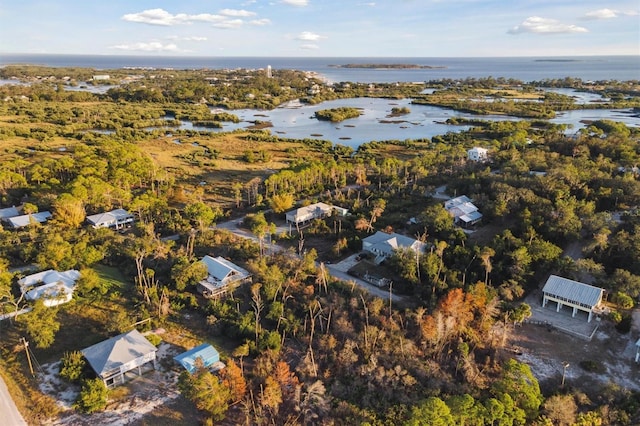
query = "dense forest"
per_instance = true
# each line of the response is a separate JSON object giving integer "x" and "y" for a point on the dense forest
{"x": 301, "y": 346}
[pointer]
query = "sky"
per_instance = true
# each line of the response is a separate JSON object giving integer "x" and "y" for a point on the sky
{"x": 322, "y": 28}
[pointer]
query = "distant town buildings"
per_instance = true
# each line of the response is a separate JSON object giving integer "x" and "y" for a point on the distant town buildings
{"x": 269, "y": 72}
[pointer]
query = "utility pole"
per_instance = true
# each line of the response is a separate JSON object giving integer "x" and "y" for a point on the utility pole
{"x": 565, "y": 365}
{"x": 26, "y": 349}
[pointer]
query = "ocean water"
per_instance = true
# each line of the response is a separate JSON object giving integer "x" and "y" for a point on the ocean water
{"x": 526, "y": 69}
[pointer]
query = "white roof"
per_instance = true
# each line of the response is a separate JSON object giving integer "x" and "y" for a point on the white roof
{"x": 449, "y": 204}
{"x": 220, "y": 268}
{"x": 471, "y": 217}
{"x": 108, "y": 217}
{"x": 386, "y": 243}
{"x": 478, "y": 149}
{"x": 54, "y": 293}
{"x": 25, "y": 220}
{"x": 113, "y": 353}
{"x": 50, "y": 276}
{"x": 573, "y": 291}
{"x": 9, "y": 212}
{"x": 311, "y": 211}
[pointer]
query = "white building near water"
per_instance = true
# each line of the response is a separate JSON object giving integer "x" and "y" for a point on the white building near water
{"x": 574, "y": 294}
{"x": 477, "y": 154}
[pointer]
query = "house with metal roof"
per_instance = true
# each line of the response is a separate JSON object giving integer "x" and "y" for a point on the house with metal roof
{"x": 53, "y": 287}
{"x": 463, "y": 211}
{"x": 477, "y": 154}
{"x": 574, "y": 294}
{"x": 28, "y": 219}
{"x": 8, "y": 212}
{"x": 115, "y": 219}
{"x": 111, "y": 359}
{"x": 383, "y": 245}
{"x": 205, "y": 356}
{"x": 223, "y": 276}
{"x": 306, "y": 214}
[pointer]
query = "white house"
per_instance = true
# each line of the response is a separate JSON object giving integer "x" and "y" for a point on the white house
{"x": 115, "y": 219}
{"x": 27, "y": 219}
{"x": 223, "y": 276}
{"x": 114, "y": 357}
{"x": 463, "y": 211}
{"x": 383, "y": 245}
{"x": 477, "y": 154}
{"x": 304, "y": 215}
{"x": 52, "y": 286}
{"x": 576, "y": 295}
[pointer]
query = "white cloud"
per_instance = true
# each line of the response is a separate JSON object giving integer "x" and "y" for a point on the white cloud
{"x": 191, "y": 38}
{"x": 164, "y": 18}
{"x": 230, "y": 23}
{"x": 236, "y": 13}
{"x": 296, "y": 2}
{"x": 370, "y": 4}
{"x": 309, "y": 36}
{"x": 538, "y": 25}
{"x": 601, "y": 14}
{"x": 259, "y": 22}
{"x": 153, "y": 46}
{"x": 309, "y": 46}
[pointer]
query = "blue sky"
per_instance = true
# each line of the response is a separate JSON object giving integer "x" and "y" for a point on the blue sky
{"x": 383, "y": 28}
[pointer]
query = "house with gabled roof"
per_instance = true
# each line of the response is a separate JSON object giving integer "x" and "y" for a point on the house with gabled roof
{"x": 477, "y": 154}
{"x": 574, "y": 294}
{"x": 115, "y": 219}
{"x": 304, "y": 215}
{"x": 463, "y": 211}
{"x": 223, "y": 276}
{"x": 111, "y": 359}
{"x": 205, "y": 356}
{"x": 28, "y": 219}
{"x": 383, "y": 245}
{"x": 9, "y": 212}
{"x": 53, "y": 287}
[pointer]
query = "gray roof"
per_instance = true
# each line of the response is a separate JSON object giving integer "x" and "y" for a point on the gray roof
{"x": 109, "y": 218}
{"x": 220, "y": 268}
{"x": 387, "y": 243}
{"x": 24, "y": 220}
{"x": 9, "y": 212}
{"x": 112, "y": 353}
{"x": 573, "y": 291}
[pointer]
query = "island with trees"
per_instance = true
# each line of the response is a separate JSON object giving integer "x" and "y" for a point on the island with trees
{"x": 445, "y": 340}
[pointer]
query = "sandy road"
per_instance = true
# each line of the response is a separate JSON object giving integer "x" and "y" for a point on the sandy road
{"x": 9, "y": 414}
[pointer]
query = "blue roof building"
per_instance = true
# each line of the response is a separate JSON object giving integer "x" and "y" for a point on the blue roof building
{"x": 207, "y": 353}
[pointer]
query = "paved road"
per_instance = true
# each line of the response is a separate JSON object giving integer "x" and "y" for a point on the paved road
{"x": 9, "y": 414}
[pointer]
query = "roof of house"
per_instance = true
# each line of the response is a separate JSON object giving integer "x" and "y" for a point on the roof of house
{"x": 449, "y": 204}
{"x": 9, "y": 212}
{"x": 56, "y": 293}
{"x": 50, "y": 276}
{"x": 311, "y": 210}
{"x": 389, "y": 242}
{"x": 478, "y": 149}
{"x": 24, "y": 220}
{"x": 206, "y": 352}
{"x": 471, "y": 217}
{"x": 109, "y": 217}
{"x": 112, "y": 353}
{"x": 220, "y": 268}
{"x": 573, "y": 291}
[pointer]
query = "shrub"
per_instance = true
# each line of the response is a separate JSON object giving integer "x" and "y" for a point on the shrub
{"x": 622, "y": 300}
{"x": 624, "y": 326}
{"x": 93, "y": 396}
{"x": 154, "y": 339}
{"x": 592, "y": 366}
{"x": 72, "y": 365}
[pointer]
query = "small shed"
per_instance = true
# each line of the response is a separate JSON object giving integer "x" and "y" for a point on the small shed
{"x": 204, "y": 355}
{"x": 114, "y": 357}
{"x": 577, "y": 295}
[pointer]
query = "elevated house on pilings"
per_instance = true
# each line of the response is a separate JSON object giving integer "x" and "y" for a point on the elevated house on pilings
{"x": 576, "y": 295}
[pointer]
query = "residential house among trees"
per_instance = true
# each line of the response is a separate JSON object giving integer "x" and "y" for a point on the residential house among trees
{"x": 28, "y": 219}
{"x": 383, "y": 245}
{"x": 115, "y": 219}
{"x": 203, "y": 356}
{"x": 576, "y": 295}
{"x": 52, "y": 286}
{"x": 111, "y": 359}
{"x": 223, "y": 276}
{"x": 304, "y": 215}
{"x": 463, "y": 211}
{"x": 8, "y": 212}
{"x": 477, "y": 154}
